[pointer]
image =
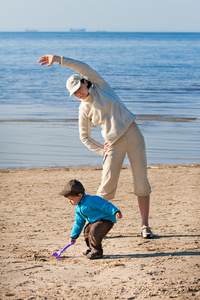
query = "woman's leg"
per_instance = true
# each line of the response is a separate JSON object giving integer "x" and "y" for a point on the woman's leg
{"x": 143, "y": 202}
{"x": 111, "y": 169}
{"x": 136, "y": 151}
{"x": 138, "y": 161}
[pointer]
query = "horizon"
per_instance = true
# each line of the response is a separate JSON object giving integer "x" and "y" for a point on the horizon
{"x": 111, "y": 16}
{"x": 91, "y": 31}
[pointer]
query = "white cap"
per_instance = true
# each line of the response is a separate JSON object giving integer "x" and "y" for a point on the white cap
{"x": 73, "y": 83}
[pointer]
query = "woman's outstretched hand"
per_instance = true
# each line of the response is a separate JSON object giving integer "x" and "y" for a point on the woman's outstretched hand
{"x": 49, "y": 60}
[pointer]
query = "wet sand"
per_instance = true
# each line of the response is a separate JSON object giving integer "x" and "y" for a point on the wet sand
{"x": 36, "y": 221}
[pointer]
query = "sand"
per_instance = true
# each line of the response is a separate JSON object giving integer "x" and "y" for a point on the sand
{"x": 36, "y": 221}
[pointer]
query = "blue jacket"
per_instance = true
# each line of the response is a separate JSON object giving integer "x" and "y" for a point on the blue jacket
{"x": 91, "y": 209}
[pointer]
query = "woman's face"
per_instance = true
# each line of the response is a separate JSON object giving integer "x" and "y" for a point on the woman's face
{"x": 82, "y": 92}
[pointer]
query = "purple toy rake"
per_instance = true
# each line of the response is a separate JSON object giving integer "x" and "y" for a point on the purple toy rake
{"x": 58, "y": 253}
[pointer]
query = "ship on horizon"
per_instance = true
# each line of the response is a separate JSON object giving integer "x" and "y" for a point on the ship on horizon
{"x": 31, "y": 30}
{"x": 77, "y": 30}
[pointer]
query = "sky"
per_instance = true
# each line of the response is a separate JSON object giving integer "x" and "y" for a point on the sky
{"x": 101, "y": 15}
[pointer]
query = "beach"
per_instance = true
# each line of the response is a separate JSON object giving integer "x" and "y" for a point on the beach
{"x": 36, "y": 222}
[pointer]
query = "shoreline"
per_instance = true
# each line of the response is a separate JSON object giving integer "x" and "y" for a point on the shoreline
{"x": 160, "y": 166}
{"x": 37, "y": 221}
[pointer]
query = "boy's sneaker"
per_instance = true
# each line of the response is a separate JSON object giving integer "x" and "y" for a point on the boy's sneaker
{"x": 86, "y": 252}
{"x": 94, "y": 256}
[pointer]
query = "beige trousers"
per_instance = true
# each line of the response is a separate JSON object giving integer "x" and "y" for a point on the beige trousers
{"x": 131, "y": 143}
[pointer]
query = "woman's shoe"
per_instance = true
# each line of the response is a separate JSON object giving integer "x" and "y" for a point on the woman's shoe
{"x": 148, "y": 234}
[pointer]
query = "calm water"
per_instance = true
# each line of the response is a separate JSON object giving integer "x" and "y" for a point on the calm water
{"x": 156, "y": 75}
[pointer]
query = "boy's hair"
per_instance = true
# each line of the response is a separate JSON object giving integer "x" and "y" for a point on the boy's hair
{"x": 89, "y": 83}
{"x": 73, "y": 194}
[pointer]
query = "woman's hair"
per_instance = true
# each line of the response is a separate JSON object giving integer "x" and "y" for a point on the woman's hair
{"x": 89, "y": 83}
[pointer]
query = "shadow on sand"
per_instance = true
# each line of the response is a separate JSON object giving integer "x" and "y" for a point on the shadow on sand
{"x": 144, "y": 255}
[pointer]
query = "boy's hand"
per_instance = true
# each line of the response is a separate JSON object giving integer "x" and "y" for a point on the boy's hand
{"x": 72, "y": 240}
{"x": 118, "y": 215}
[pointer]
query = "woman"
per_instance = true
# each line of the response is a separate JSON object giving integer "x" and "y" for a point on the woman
{"x": 101, "y": 106}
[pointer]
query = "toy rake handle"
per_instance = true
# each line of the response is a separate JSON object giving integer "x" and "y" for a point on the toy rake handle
{"x": 67, "y": 246}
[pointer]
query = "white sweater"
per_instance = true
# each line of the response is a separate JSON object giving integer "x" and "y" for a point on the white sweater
{"x": 102, "y": 107}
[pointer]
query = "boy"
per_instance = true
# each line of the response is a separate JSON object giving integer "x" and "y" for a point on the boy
{"x": 100, "y": 214}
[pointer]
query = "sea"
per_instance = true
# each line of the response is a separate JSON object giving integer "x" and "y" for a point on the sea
{"x": 156, "y": 75}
